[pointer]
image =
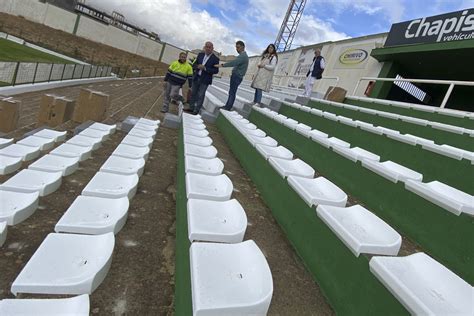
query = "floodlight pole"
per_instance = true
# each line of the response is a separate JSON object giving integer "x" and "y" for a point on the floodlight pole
{"x": 290, "y": 24}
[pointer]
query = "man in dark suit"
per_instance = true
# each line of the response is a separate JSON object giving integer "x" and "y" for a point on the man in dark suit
{"x": 203, "y": 71}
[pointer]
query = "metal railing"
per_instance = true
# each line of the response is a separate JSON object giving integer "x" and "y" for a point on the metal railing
{"x": 16, "y": 73}
{"x": 302, "y": 78}
{"x": 445, "y": 82}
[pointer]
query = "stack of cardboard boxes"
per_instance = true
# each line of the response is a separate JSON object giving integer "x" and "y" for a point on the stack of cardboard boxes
{"x": 55, "y": 110}
{"x": 335, "y": 94}
{"x": 91, "y": 105}
{"x": 9, "y": 114}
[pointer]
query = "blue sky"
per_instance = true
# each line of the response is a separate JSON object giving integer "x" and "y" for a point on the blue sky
{"x": 189, "y": 23}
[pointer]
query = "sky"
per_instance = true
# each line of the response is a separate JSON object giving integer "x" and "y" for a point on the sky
{"x": 190, "y": 23}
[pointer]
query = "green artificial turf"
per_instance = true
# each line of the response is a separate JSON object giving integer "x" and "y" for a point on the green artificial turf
{"x": 14, "y": 52}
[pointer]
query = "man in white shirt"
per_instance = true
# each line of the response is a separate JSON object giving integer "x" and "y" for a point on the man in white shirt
{"x": 315, "y": 72}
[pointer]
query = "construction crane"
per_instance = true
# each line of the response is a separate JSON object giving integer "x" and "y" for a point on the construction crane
{"x": 289, "y": 25}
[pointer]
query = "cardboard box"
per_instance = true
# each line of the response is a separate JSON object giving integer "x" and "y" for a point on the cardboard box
{"x": 55, "y": 110}
{"x": 335, "y": 94}
{"x": 9, "y": 114}
{"x": 91, "y": 105}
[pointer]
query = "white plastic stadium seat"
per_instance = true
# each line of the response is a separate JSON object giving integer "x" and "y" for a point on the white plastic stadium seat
{"x": 137, "y": 132}
{"x": 268, "y": 141}
{"x": 149, "y": 122}
{"x": 93, "y": 216}
{"x": 216, "y": 188}
{"x": 296, "y": 167}
{"x": 4, "y": 142}
{"x": 44, "y": 144}
{"x": 199, "y": 151}
{"x": 33, "y": 181}
{"x": 17, "y": 206}
{"x": 356, "y": 154}
{"x": 121, "y": 165}
{"x": 132, "y": 152}
{"x": 230, "y": 279}
{"x": 9, "y": 164}
{"x": 26, "y": 153}
{"x": 195, "y": 132}
{"x": 109, "y": 185}
{"x": 211, "y": 167}
{"x": 217, "y": 221}
{"x": 360, "y": 230}
{"x": 104, "y": 127}
{"x": 392, "y": 171}
{"x": 199, "y": 141}
{"x": 53, "y": 163}
{"x": 95, "y": 133}
{"x": 137, "y": 141}
{"x": 278, "y": 152}
{"x": 72, "y": 151}
{"x": 66, "y": 264}
{"x": 85, "y": 141}
{"x": 318, "y": 191}
{"x": 58, "y": 136}
{"x": 443, "y": 195}
{"x": 77, "y": 306}
{"x": 145, "y": 127}
{"x": 423, "y": 285}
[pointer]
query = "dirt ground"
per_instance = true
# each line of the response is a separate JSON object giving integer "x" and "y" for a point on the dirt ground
{"x": 141, "y": 278}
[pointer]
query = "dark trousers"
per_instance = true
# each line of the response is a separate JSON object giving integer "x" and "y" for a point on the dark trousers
{"x": 258, "y": 96}
{"x": 197, "y": 95}
{"x": 234, "y": 84}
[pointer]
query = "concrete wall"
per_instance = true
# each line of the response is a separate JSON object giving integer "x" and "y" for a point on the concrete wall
{"x": 63, "y": 20}
{"x": 148, "y": 48}
{"x": 171, "y": 53}
{"x": 120, "y": 39}
{"x": 90, "y": 29}
{"x": 29, "y": 9}
{"x": 293, "y": 65}
{"x": 59, "y": 19}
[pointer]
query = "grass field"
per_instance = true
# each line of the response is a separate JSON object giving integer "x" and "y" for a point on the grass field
{"x": 10, "y": 51}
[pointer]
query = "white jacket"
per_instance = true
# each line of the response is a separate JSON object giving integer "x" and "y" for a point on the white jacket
{"x": 264, "y": 76}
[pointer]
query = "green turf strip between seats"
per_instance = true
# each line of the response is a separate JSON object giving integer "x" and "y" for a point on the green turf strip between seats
{"x": 434, "y": 117}
{"x": 345, "y": 279}
{"x": 443, "y": 235}
{"x": 182, "y": 295}
{"x": 438, "y": 136}
{"x": 456, "y": 173}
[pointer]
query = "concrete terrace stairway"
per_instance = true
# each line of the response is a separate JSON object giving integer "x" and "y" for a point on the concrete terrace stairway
{"x": 295, "y": 132}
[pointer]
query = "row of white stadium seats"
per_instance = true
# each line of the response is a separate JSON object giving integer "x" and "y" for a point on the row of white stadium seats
{"x": 445, "y": 196}
{"x": 77, "y": 262}
{"x": 228, "y": 275}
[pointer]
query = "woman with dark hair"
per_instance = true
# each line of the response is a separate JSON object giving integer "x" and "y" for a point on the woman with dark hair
{"x": 264, "y": 76}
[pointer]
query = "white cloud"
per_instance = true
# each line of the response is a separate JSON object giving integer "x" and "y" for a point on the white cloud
{"x": 174, "y": 21}
{"x": 312, "y": 30}
{"x": 392, "y": 9}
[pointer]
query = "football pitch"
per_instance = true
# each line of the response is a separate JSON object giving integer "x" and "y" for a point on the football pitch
{"x": 14, "y": 52}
